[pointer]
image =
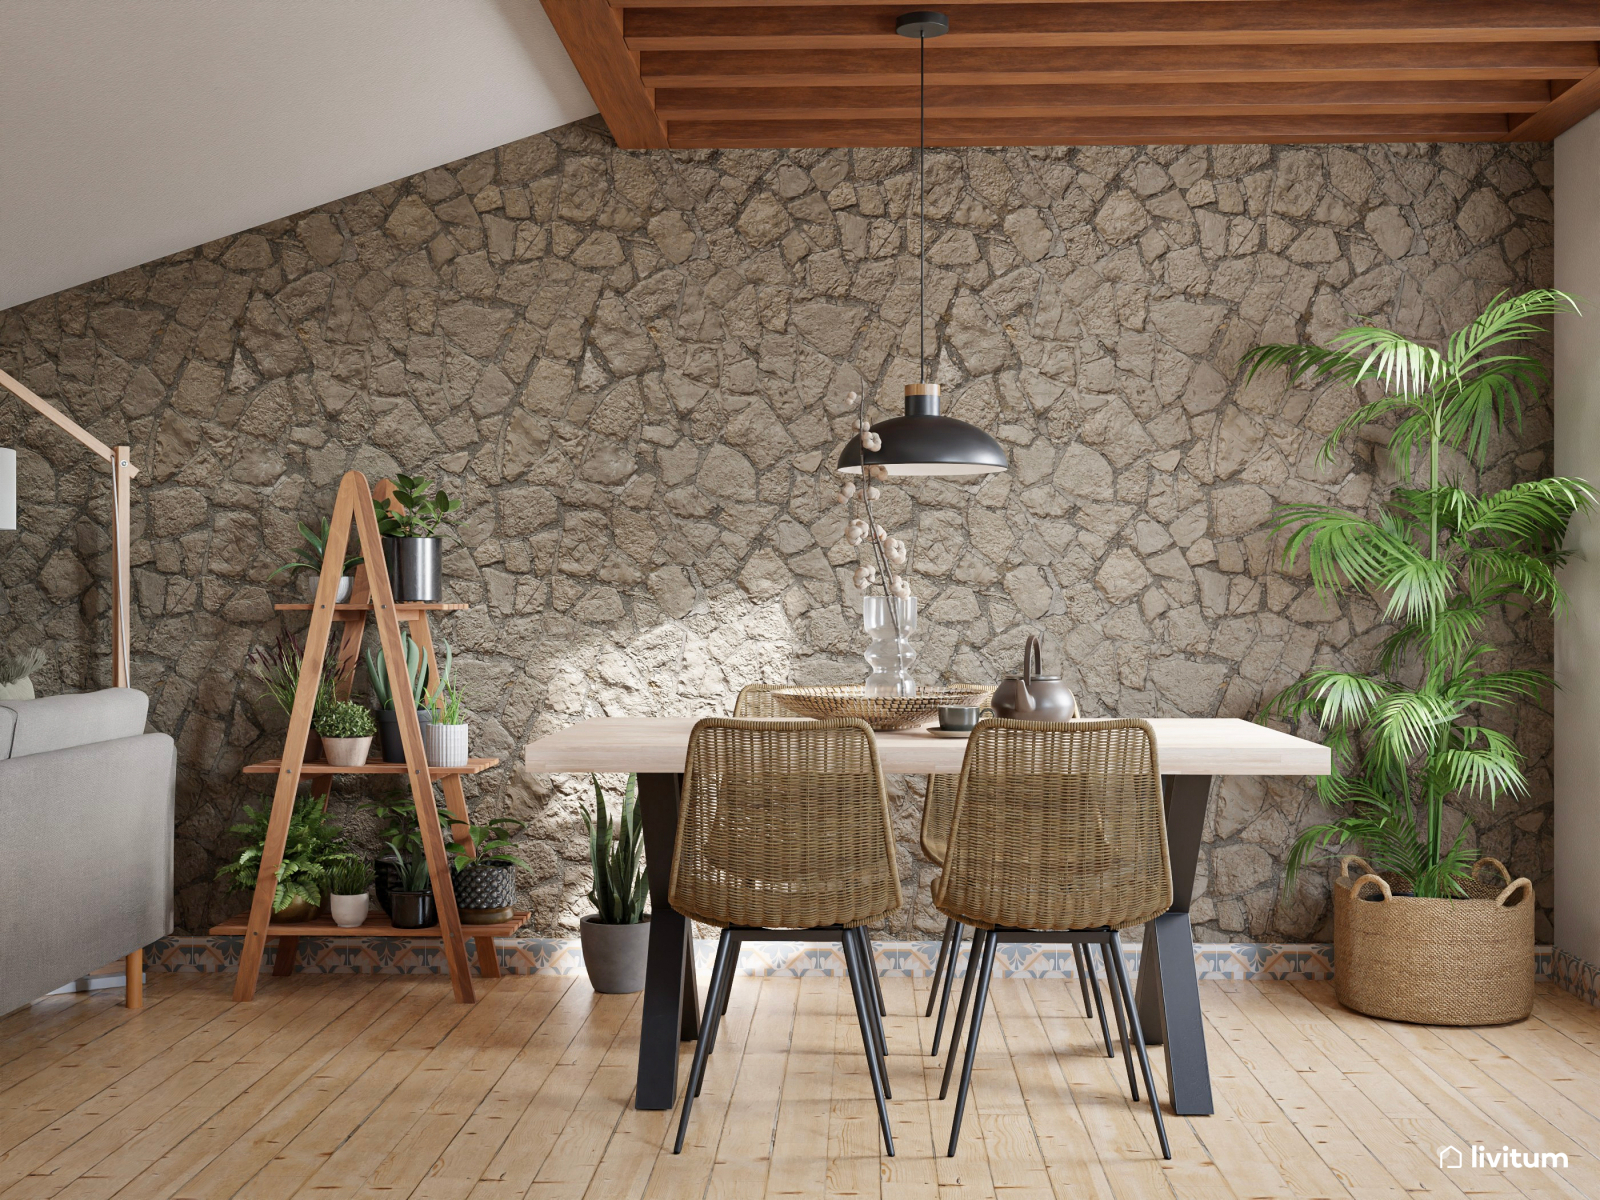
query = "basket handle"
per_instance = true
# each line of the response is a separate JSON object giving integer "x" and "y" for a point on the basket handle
{"x": 1511, "y": 888}
{"x": 1347, "y": 859}
{"x": 1355, "y": 888}
{"x": 1495, "y": 863}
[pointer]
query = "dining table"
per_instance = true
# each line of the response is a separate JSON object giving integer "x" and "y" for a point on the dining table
{"x": 1191, "y": 752}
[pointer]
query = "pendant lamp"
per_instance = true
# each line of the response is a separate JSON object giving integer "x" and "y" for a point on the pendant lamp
{"x": 923, "y": 442}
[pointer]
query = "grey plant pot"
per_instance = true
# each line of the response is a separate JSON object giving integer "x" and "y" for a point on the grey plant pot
{"x": 615, "y": 955}
{"x": 389, "y": 732}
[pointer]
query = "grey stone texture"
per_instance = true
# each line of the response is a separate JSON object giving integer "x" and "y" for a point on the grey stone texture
{"x": 633, "y": 369}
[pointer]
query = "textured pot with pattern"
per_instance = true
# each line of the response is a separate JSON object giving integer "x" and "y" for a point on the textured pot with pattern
{"x": 1433, "y": 961}
{"x": 614, "y": 955}
{"x": 445, "y": 745}
{"x": 485, "y": 892}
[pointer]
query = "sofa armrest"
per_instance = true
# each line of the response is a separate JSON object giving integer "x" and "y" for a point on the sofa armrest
{"x": 86, "y": 861}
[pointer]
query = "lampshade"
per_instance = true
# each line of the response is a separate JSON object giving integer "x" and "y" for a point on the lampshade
{"x": 8, "y": 489}
{"x": 924, "y": 443}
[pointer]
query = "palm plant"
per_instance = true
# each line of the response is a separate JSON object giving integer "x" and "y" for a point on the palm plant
{"x": 1441, "y": 562}
{"x": 614, "y": 850}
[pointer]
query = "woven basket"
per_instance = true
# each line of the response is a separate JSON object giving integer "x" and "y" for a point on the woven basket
{"x": 881, "y": 712}
{"x": 1430, "y": 961}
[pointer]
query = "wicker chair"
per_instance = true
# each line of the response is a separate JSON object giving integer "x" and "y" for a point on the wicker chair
{"x": 1058, "y": 835}
{"x": 784, "y": 825}
{"x": 755, "y": 701}
{"x": 937, "y": 810}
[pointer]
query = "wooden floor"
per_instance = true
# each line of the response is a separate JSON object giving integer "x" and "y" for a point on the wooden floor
{"x": 381, "y": 1086}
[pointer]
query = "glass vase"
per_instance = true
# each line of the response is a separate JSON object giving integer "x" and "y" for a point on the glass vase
{"x": 889, "y": 652}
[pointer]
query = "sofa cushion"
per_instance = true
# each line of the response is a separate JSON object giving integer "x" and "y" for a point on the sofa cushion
{"x": 58, "y": 722}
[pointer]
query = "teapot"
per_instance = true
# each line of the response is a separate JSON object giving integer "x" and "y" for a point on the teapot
{"x": 1033, "y": 695}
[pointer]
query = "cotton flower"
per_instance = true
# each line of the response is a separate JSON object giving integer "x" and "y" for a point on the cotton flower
{"x": 856, "y": 532}
{"x": 871, "y": 441}
{"x": 863, "y": 577}
{"x": 896, "y": 550}
{"x": 847, "y": 492}
{"x": 872, "y": 493}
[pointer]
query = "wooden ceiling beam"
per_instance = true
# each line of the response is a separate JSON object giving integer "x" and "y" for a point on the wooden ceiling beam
{"x": 1129, "y": 23}
{"x": 1089, "y": 131}
{"x": 1006, "y": 103}
{"x": 1566, "y": 61}
{"x": 591, "y": 31}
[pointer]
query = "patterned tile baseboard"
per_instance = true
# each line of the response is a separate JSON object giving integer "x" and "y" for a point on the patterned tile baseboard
{"x": 564, "y": 956}
{"x": 1576, "y": 975}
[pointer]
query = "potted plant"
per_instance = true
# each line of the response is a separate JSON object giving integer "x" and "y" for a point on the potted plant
{"x": 398, "y": 813}
{"x": 410, "y": 525}
{"x": 313, "y": 847}
{"x": 277, "y": 667}
{"x": 616, "y": 936}
{"x": 1418, "y": 936}
{"x": 311, "y": 560}
{"x": 444, "y": 738}
{"x": 347, "y": 729}
{"x": 347, "y": 893}
{"x": 486, "y": 883}
{"x": 411, "y": 903}
{"x": 15, "y": 670}
{"x": 383, "y": 697}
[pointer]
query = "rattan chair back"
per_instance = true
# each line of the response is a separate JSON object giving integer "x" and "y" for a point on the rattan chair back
{"x": 1057, "y": 826}
{"x": 937, "y": 810}
{"x": 756, "y": 702}
{"x": 784, "y": 825}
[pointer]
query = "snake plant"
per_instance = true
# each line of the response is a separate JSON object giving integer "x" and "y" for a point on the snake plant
{"x": 1442, "y": 562}
{"x": 619, "y": 888}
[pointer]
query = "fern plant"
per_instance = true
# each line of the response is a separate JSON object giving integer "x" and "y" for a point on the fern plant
{"x": 1441, "y": 562}
{"x": 620, "y": 888}
{"x": 313, "y": 848}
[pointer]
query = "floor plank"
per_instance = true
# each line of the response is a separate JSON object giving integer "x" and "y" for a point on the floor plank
{"x": 361, "y": 1087}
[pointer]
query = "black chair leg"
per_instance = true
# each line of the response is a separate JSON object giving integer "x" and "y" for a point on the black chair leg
{"x": 1122, "y": 1029}
{"x": 879, "y": 1077}
{"x": 1083, "y": 980}
{"x": 721, "y": 1002}
{"x": 938, "y": 967}
{"x": 949, "y": 982}
{"x": 872, "y": 969}
{"x": 1094, "y": 986}
{"x": 863, "y": 948}
{"x": 1138, "y": 1041}
{"x": 985, "y": 968}
{"x": 980, "y": 941}
{"x": 708, "y": 1025}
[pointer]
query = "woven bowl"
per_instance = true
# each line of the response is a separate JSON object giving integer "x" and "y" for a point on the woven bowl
{"x": 881, "y": 712}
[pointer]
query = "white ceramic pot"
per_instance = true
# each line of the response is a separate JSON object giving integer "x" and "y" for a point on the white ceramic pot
{"x": 346, "y": 582}
{"x": 347, "y": 752}
{"x": 349, "y": 912}
{"x": 445, "y": 745}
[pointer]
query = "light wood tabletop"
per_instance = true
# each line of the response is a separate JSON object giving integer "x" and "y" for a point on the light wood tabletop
{"x": 1184, "y": 745}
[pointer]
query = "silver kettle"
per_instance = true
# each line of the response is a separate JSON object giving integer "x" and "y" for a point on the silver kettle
{"x": 1033, "y": 695}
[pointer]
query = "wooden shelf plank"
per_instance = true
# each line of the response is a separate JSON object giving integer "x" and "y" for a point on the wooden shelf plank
{"x": 377, "y": 924}
{"x": 272, "y": 766}
{"x": 401, "y": 606}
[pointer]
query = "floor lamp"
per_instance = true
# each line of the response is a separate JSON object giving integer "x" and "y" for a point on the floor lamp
{"x": 122, "y": 473}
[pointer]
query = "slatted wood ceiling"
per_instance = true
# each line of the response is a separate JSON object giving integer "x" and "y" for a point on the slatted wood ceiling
{"x": 788, "y": 73}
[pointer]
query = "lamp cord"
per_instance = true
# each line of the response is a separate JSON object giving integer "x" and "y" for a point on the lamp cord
{"x": 922, "y": 208}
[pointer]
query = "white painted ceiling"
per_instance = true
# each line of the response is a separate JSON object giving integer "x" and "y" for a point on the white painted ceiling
{"x": 130, "y": 129}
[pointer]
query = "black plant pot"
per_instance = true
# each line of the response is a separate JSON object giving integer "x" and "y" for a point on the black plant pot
{"x": 385, "y": 879}
{"x": 418, "y": 569}
{"x": 412, "y": 910}
{"x": 391, "y": 563}
{"x": 389, "y": 732}
{"x": 485, "y": 892}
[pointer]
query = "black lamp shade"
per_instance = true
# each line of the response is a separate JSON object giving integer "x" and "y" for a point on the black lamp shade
{"x": 924, "y": 443}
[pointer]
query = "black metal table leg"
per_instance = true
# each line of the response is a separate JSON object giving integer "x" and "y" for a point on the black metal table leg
{"x": 671, "y": 1011}
{"x": 1168, "y": 994}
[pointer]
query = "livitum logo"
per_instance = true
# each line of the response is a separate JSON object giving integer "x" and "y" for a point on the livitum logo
{"x": 1507, "y": 1156}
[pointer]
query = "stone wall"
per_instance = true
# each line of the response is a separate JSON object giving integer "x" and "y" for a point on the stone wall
{"x": 633, "y": 369}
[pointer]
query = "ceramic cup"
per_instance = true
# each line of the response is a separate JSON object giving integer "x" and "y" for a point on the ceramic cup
{"x": 959, "y": 718}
